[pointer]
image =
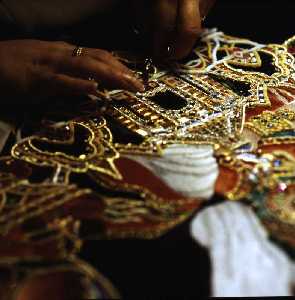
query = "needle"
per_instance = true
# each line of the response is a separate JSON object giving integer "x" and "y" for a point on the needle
{"x": 148, "y": 62}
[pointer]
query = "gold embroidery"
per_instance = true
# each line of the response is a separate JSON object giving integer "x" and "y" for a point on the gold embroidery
{"x": 200, "y": 104}
{"x": 269, "y": 123}
{"x": 98, "y": 154}
{"x": 204, "y": 100}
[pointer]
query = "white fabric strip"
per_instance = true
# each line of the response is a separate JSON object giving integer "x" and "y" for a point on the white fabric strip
{"x": 191, "y": 170}
{"x": 244, "y": 262}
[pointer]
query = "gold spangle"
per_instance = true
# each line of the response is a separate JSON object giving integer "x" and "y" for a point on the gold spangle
{"x": 140, "y": 110}
{"x": 154, "y": 118}
{"x": 141, "y": 132}
{"x": 147, "y": 114}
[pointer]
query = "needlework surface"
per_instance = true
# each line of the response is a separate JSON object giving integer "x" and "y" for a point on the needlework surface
{"x": 89, "y": 174}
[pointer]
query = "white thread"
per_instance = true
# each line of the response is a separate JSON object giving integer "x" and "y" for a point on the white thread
{"x": 55, "y": 179}
{"x": 214, "y": 36}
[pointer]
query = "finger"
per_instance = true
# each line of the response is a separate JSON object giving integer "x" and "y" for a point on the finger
{"x": 60, "y": 85}
{"x": 68, "y": 85}
{"x": 60, "y": 50}
{"x": 188, "y": 28}
{"x": 165, "y": 15}
{"x": 102, "y": 72}
{"x": 105, "y": 56}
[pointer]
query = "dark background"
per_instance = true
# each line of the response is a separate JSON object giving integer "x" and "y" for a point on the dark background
{"x": 261, "y": 20}
{"x": 265, "y": 21}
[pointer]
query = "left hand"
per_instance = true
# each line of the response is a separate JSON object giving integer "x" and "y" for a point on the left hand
{"x": 171, "y": 23}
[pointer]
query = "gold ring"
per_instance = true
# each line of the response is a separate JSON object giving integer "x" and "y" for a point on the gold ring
{"x": 78, "y": 51}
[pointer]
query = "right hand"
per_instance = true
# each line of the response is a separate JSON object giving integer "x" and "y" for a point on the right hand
{"x": 176, "y": 24}
{"x": 37, "y": 69}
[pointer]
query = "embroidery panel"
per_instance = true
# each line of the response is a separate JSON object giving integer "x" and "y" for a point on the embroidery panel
{"x": 89, "y": 177}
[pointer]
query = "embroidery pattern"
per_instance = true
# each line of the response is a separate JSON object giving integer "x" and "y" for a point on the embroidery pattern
{"x": 68, "y": 183}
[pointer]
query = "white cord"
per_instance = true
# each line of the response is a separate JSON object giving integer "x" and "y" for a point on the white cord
{"x": 216, "y": 37}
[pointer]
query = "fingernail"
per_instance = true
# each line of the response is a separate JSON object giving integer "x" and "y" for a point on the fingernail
{"x": 136, "y": 85}
{"x": 95, "y": 85}
{"x": 162, "y": 44}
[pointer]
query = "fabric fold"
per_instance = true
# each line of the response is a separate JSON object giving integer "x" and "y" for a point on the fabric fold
{"x": 245, "y": 263}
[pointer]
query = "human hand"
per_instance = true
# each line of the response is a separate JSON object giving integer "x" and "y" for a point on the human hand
{"x": 171, "y": 23}
{"x": 38, "y": 69}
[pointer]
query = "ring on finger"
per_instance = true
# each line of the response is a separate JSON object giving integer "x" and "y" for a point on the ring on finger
{"x": 78, "y": 51}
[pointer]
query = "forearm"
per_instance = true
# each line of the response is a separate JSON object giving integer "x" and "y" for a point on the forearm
{"x": 32, "y": 14}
